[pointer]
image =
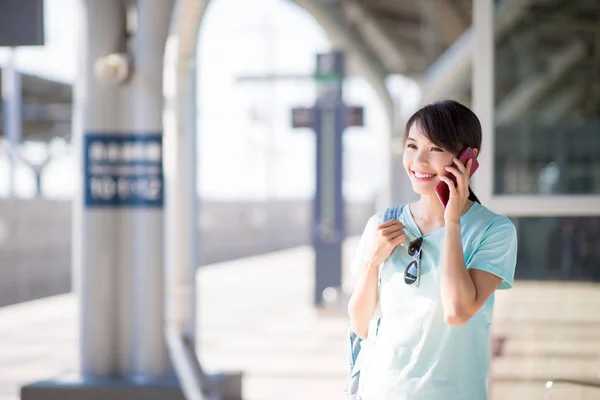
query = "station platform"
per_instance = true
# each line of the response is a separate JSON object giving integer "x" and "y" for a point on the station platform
{"x": 256, "y": 316}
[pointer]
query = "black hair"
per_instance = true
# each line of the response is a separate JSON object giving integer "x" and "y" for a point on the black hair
{"x": 449, "y": 125}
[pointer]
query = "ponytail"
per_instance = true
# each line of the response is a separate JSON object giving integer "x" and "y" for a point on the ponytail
{"x": 472, "y": 196}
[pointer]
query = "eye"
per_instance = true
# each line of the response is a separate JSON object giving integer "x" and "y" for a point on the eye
{"x": 411, "y": 146}
{"x": 437, "y": 149}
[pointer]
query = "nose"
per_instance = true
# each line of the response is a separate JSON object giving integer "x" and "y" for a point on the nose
{"x": 421, "y": 158}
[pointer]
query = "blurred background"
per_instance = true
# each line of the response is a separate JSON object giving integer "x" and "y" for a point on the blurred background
{"x": 530, "y": 69}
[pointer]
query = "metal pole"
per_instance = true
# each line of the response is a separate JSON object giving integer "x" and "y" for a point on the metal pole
{"x": 144, "y": 350}
{"x": 181, "y": 194}
{"x": 483, "y": 94}
{"x": 11, "y": 101}
{"x": 96, "y": 109}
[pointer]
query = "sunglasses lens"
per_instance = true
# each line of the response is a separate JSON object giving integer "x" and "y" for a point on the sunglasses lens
{"x": 414, "y": 246}
{"x": 411, "y": 273}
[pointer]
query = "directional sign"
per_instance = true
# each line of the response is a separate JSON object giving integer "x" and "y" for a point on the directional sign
{"x": 355, "y": 116}
{"x": 328, "y": 117}
{"x": 302, "y": 117}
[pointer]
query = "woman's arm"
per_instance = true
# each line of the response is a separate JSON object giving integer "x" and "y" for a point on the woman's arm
{"x": 363, "y": 301}
{"x": 463, "y": 291}
{"x": 377, "y": 244}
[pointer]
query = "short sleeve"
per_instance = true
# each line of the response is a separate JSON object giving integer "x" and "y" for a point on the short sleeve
{"x": 365, "y": 243}
{"x": 497, "y": 251}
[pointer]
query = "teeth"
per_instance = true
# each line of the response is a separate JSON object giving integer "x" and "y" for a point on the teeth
{"x": 418, "y": 175}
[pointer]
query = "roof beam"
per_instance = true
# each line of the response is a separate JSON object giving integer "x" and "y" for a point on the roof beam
{"x": 336, "y": 27}
{"x": 451, "y": 71}
{"x": 446, "y": 18}
{"x": 520, "y": 99}
{"x": 394, "y": 54}
{"x": 561, "y": 103}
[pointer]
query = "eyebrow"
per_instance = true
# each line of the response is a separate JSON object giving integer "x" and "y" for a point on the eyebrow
{"x": 414, "y": 140}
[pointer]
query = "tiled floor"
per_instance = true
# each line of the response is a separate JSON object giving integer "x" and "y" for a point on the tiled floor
{"x": 255, "y": 315}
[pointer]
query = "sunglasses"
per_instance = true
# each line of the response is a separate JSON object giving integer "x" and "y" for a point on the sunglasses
{"x": 412, "y": 273}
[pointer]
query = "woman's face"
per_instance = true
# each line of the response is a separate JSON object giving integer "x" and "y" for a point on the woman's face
{"x": 424, "y": 161}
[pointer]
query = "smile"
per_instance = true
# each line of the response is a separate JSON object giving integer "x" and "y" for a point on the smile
{"x": 422, "y": 177}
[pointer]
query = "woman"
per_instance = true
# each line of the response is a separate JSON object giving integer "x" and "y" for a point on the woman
{"x": 433, "y": 338}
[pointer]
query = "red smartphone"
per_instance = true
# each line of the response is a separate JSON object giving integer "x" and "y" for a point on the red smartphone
{"x": 442, "y": 190}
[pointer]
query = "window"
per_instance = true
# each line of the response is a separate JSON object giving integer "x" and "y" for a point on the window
{"x": 547, "y": 100}
{"x": 558, "y": 248}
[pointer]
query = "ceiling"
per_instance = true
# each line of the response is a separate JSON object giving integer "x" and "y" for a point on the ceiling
{"x": 545, "y": 50}
{"x": 46, "y": 110}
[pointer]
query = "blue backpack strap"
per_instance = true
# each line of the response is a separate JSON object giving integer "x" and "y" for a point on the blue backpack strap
{"x": 388, "y": 214}
{"x": 392, "y": 213}
{"x": 354, "y": 341}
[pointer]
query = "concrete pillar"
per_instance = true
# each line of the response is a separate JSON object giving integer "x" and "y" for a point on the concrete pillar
{"x": 182, "y": 240}
{"x": 118, "y": 241}
{"x": 95, "y": 240}
{"x": 141, "y": 272}
{"x": 118, "y": 228}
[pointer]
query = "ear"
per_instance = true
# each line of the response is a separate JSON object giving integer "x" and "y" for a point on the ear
{"x": 476, "y": 152}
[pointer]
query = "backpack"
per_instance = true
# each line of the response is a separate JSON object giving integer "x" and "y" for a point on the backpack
{"x": 355, "y": 342}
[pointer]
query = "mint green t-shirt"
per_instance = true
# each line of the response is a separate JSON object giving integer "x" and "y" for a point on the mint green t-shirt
{"x": 416, "y": 355}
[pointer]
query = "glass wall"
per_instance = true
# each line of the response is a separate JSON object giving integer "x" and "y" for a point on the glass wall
{"x": 547, "y": 130}
{"x": 558, "y": 248}
{"x": 547, "y": 100}
{"x": 545, "y": 167}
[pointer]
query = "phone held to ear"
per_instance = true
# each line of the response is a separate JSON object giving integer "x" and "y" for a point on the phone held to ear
{"x": 442, "y": 190}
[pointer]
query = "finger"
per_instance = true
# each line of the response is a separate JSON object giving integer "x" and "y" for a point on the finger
{"x": 459, "y": 165}
{"x": 461, "y": 179}
{"x": 396, "y": 240}
{"x": 450, "y": 184}
{"x": 391, "y": 229}
{"x": 387, "y": 223}
{"x": 455, "y": 172}
{"x": 390, "y": 223}
{"x": 395, "y": 234}
{"x": 400, "y": 239}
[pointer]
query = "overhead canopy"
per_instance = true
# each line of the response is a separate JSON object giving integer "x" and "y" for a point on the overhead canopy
{"x": 46, "y": 110}
{"x": 430, "y": 41}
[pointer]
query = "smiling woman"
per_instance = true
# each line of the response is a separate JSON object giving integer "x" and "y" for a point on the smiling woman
{"x": 445, "y": 131}
{"x": 436, "y": 293}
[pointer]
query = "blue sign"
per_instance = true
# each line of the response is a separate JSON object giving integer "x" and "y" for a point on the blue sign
{"x": 123, "y": 170}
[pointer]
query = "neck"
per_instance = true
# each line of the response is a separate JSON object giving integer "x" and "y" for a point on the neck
{"x": 429, "y": 208}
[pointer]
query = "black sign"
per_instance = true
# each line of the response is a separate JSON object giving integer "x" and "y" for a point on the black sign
{"x": 302, "y": 117}
{"x": 355, "y": 116}
{"x": 21, "y": 23}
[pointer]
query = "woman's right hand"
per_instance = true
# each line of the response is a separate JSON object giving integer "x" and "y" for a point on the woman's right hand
{"x": 381, "y": 243}
{"x": 388, "y": 236}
